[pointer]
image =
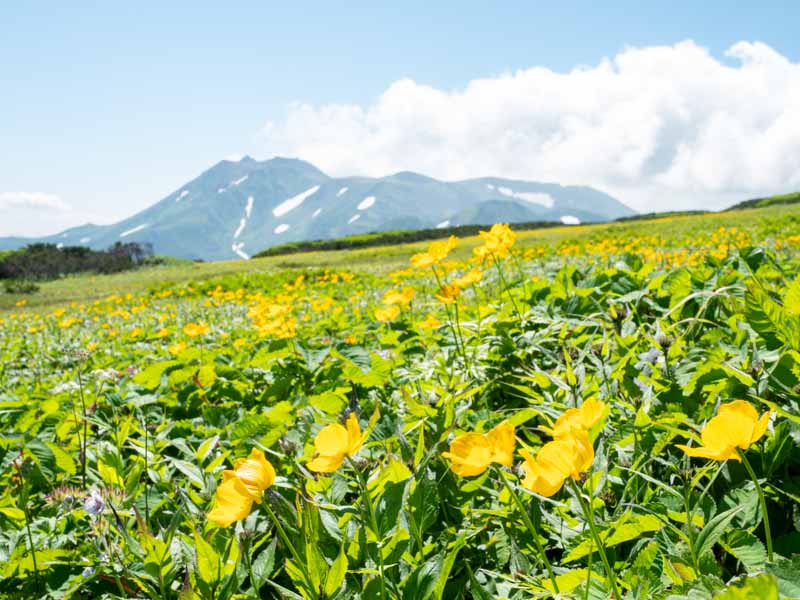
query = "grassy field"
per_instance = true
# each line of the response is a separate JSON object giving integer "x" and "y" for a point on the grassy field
{"x": 87, "y": 288}
{"x": 604, "y": 411}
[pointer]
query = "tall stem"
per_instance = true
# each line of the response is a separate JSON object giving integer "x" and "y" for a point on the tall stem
{"x": 373, "y": 524}
{"x": 85, "y": 427}
{"x": 587, "y": 512}
{"x": 507, "y": 288}
{"x": 531, "y": 528}
{"x": 301, "y": 565}
{"x": 767, "y": 532}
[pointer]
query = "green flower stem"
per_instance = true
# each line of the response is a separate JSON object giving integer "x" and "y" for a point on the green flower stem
{"x": 767, "y": 532}
{"x": 373, "y": 523}
{"x": 531, "y": 528}
{"x": 507, "y": 288}
{"x": 587, "y": 511}
{"x": 285, "y": 539}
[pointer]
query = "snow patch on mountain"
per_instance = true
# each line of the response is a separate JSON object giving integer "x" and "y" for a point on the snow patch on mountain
{"x": 293, "y": 202}
{"x": 366, "y": 203}
{"x": 570, "y": 220}
{"x": 249, "y": 208}
{"x": 183, "y": 194}
{"x": 545, "y": 200}
{"x": 443, "y": 224}
{"x": 85, "y": 240}
{"x": 237, "y": 248}
{"x": 240, "y": 180}
{"x": 132, "y": 231}
{"x": 316, "y": 213}
{"x": 341, "y": 191}
{"x": 282, "y": 228}
{"x": 354, "y": 218}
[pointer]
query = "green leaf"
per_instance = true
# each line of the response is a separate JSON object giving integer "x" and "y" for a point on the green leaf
{"x": 336, "y": 574}
{"x": 207, "y": 561}
{"x": 747, "y": 549}
{"x": 447, "y": 566}
{"x": 264, "y": 564}
{"x": 150, "y": 377}
{"x": 63, "y": 460}
{"x": 760, "y": 587}
{"x": 714, "y": 530}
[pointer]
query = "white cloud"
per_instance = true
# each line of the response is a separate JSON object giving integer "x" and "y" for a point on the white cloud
{"x": 32, "y": 200}
{"x": 661, "y": 127}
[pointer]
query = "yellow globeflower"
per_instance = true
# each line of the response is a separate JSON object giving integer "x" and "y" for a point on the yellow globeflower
{"x": 471, "y": 453}
{"x": 497, "y": 242}
{"x": 430, "y": 322}
{"x": 448, "y": 294}
{"x": 241, "y": 486}
{"x": 437, "y": 252}
{"x": 737, "y": 425}
{"x": 401, "y": 298}
{"x": 565, "y": 457}
{"x": 589, "y": 414}
{"x": 335, "y": 442}
{"x": 387, "y": 314}
{"x": 233, "y": 503}
{"x": 469, "y": 278}
{"x": 196, "y": 329}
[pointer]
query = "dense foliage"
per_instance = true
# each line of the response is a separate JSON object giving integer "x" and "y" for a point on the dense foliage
{"x": 389, "y": 238}
{"x": 501, "y": 426}
{"x": 48, "y": 261}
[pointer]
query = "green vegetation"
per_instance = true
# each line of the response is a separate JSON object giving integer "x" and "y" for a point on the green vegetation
{"x": 391, "y": 238}
{"x": 49, "y": 261}
{"x": 791, "y": 198}
{"x": 607, "y": 411}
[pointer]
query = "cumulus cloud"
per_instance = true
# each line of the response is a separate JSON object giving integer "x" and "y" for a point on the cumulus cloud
{"x": 32, "y": 200}
{"x": 661, "y": 127}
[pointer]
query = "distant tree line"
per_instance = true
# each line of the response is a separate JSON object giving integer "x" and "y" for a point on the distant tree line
{"x": 49, "y": 261}
{"x": 389, "y": 238}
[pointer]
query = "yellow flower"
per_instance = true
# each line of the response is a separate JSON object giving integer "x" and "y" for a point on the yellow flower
{"x": 239, "y": 342}
{"x": 196, "y": 329}
{"x": 429, "y": 323}
{"x": 471, "y": 453}
{"x": 242, "y": 486}
{"x": 590, "y": 413}
{"x": 335, "y": 442}
{"x": 401, "y": 298}
{"x": 466, "y": 280}
{"x": 233, "y": 503}
{"x": 497, "y": 242}
{"x": 387, "y": 314}
{"x": 737, "y": 425}
{"x": 448, "y": 294}
{"x": 177, "y": 348}
{"x": 162, "y": 333}
{"x": 565, "y": 457}
{"x": 437, "y": 252}
{"x": 255, "y": 472}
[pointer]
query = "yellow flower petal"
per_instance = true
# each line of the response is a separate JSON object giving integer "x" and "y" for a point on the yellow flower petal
{"x": 354, "y": 437}
{"x": 326, "y": 463}
{"x": 761, "y": 427}
{"x": 255, "y": 472}
{"x": 233, "y": 502}
{"x": 470, "y": 454}
{"x": 503, "y": 442}
{"x": 332, "y": 440}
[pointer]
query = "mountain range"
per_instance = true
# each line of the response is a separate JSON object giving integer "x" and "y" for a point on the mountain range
{"x": 238, "y": 208}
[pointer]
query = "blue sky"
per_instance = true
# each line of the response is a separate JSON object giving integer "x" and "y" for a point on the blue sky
{"x": 105, "y": 108}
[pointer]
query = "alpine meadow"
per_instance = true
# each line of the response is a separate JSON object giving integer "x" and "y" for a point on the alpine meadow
{"x": 595, "y": 411}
